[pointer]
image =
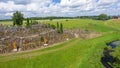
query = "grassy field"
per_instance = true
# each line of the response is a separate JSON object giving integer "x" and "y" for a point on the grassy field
{"x": 87, "y": 24}
{"x": 75, "y": 53}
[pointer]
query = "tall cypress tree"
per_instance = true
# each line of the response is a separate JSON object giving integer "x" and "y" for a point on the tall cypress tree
{"x": 57, "y": 25}
{"x": 61, "y": 28}
{"x": 58, "y": 29}
{"x": 28, "y": 23}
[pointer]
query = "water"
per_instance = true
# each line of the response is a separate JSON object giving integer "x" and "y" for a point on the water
{"x": 108, "y": 58}
{"x": 114, "y": 44}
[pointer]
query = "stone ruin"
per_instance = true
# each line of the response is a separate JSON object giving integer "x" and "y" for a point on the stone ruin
{"x": 20, "y": 38}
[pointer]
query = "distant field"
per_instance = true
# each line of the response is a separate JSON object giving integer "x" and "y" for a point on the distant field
{"x": 6, "y": 22}
{"x": 9, "y": 23}
{"x": 87, "y": 24}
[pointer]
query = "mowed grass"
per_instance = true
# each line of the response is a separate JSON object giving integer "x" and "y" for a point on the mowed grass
{"x": 78, "y": 54}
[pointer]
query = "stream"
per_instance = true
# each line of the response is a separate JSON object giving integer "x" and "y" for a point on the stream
{"x": 114, "y": 44}
{"x": 108, "y": 59}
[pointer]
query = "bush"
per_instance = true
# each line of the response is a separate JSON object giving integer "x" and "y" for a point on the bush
{"x": 27, "y": 23}
{"x": 103, "y": 17}
{"x": 41, "y": 38}
{"x": 116, "y": 54}
{"x": 51, "y": 19}
{"x": 53, "y": 26}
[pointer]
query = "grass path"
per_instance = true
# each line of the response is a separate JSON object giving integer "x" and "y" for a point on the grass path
{"x": 15, "y": 56}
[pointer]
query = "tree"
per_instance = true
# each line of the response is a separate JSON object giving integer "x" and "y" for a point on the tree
{"x": 57, "y": 26}
{"x": 61, "y": 28}
{"x": 51, "y": 19}
{"x": 53, "y": 26}
{"x": 17, "y": 18}
{"x": 27, "y": 23}
{"x": 102, "y": 17}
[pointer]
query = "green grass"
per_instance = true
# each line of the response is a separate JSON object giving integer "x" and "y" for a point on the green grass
{"x": 75, "y": 53}
{"x": 114, "y": 23}
{"x": 6, "y": 22}
{"x": 79, "y": 54}
{"x": 10, "y": 23}
{"x": 86, "y": 24}
{"x": 116, "y": 55}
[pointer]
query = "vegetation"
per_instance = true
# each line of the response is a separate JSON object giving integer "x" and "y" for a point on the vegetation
{"x": 57, "y": 26}
{"x": 86, "y": 24}
{"x": 76, "y": 53}
{"x": 53, "y": 26}
{"x": 17, "y": 18}
{"x": 73, "y": 54}
{"x": 61, "y": 28}
{"x": 116, "y": 54}
{"x": 102, "y": 17}
{"x": 28, "y": 22}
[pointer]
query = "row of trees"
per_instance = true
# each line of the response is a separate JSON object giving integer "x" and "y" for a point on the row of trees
{"x": 59, "y": 27}
{"x": 18, "y": 18}
{"x": 30, "y": 22}
{"x": 99, "y": 17}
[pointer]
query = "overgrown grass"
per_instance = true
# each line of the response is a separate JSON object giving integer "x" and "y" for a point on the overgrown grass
{"x": 113, "y": 23}
{"x": 79, "y": 54}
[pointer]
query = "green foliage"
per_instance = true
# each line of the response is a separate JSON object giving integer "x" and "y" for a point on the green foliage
{"x": 33, "y": 22}
{"x": 17, "y": 18}
{"x": 103, "y": 17}
{"x": 76, "y": 53}
{"x": 116, "y": 54}
{"x": 28, "y": 23}
{"x": 51, "y": 19}
{"x": 86, "y": 24}
{"x": 53, "y": 26}
{"x": 57, "y": 26}
{"x": 41, "y": 38}
{"x": 66, "y": 19}
{"x": 48, "y": 25}
{"x": 61, "y": 28}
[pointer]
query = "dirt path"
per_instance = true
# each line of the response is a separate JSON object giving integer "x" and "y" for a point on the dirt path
{"x": 32, "y": 54}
